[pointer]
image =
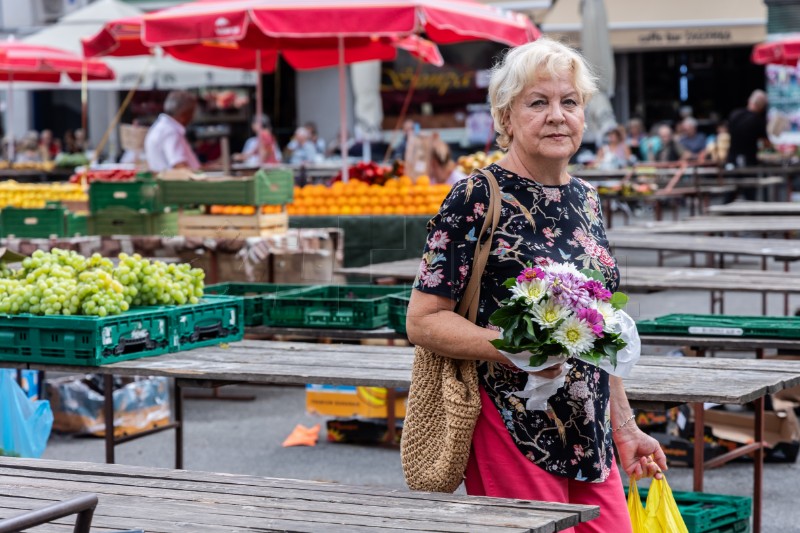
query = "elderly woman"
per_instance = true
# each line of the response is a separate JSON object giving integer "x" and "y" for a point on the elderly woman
{"x": 538, "y": 94}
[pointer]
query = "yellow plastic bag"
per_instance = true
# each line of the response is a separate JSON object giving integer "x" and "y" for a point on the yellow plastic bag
{"x": 660, "y": 515}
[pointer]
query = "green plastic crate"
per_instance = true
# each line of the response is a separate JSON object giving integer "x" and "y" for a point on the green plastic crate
{"x": 50, "y": 221}
{"x": 121, "y": 221}
{"x": 214, "y": 320}
{"x": 710, "y": 513}
{"x": 722, "y": 326}
{"x": 254, "y": 295}
{"x": 332, "y": 306}
{"x": 77, "y": 225}
{"x": 742, "y": 526}
{"x": 266, "y": 187}
{"x": 398, "y": 308}
{"x": 136, "y": 195}
{"x": 85, "y": 340}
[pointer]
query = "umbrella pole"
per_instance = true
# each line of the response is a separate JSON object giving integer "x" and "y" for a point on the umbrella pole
{"x": 10, "y": 118}
{"x": 342, "y": 111}
{"x": 402, "y": 117}
{"x": 262, "y": 150}
{"x": 84, "y": 101}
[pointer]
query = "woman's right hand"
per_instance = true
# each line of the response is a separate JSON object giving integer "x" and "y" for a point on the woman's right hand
{"x": 549, "y": 373}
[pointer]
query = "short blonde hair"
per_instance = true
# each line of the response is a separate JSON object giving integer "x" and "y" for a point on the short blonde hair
{"x": 528, "y": 63}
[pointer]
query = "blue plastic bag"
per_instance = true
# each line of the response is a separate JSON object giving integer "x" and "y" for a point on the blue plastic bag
{"x": 25, "y": 424}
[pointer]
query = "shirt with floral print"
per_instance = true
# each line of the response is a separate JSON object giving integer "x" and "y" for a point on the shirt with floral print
{"x": 537, "y": 224}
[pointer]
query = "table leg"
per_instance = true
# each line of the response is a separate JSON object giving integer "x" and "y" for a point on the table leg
{"x": 178, "y": 392}
{"x": 758, "y": 469}
{"x": 108, "y": 414}
{"x": 786, "y": 294}
{"x": 699, "y": 446}
{"x": 764, "y": 294}
{"x": 391, "y": 416}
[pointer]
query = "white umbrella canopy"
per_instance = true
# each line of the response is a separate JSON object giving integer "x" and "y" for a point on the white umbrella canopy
{"x": 163, "y": 72}
{"x": 596, "y": 48}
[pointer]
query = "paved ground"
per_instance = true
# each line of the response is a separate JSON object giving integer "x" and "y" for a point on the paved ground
{"x": 246, "y": 437}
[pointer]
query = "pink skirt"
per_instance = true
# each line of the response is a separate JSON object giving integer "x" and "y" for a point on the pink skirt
{"x": 497, "y": 468}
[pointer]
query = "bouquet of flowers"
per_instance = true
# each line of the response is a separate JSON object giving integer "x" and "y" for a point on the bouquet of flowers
{"x": 555, "y": 312}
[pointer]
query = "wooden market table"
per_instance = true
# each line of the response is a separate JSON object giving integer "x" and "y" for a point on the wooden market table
{"x": 177, "y": 501}
{"x": 756, "y": 209}
{"x": 638, "y": 279}
{"x": 656, "y": 382}
{"x": 768, "y": 224}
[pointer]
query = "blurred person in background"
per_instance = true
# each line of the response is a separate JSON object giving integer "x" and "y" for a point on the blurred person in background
{"x": 409, "y": 128}
{"x": 635, "y": 139}
{"x": 718, "y": 145}
{"x": 748, "y": 128}
{"x": 49, "y": 147}
{"x": 614, "y": 153}
{"x": 442, "y": 169}
{"x": 165, "y": 145}
{"x": 301, "y": 148}
{"x": 319, "y": 143}
{"x": 28, "y": 151}
{"x": 668, "y": 147}
{"x": 692, "y": 141}
{"x": 250, "y": 155}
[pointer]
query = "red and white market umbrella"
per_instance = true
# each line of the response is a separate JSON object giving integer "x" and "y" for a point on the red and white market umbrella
{"x": 22, "y": 62}
{"x": 781, "y": 52}
{"x": 317, "y": 33}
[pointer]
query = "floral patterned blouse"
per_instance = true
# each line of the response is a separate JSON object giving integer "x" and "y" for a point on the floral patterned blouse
{"x": 537, "y": 223}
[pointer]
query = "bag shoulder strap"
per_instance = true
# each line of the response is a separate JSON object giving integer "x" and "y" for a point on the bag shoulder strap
{"x": 468, "y": 306}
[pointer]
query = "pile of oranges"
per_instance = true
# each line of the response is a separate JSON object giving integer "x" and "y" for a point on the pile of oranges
{"x": 243, "y": 209}
{"x": 398, "y": 196}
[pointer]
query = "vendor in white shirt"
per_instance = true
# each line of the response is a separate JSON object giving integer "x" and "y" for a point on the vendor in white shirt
{"x": 165, "y": 145}
{"x": 442, "y": 169}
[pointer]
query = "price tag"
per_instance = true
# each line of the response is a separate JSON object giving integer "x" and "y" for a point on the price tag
{"x": 705, "y": 330}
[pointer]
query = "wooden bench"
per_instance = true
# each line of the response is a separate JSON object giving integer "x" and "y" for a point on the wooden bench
{"x": 181, "y": 501}
{"x": 756, "y": 209}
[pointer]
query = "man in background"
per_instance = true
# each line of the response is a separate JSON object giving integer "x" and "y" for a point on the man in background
{"x": 747, "y": 126}
{"x": 165, "y": 145}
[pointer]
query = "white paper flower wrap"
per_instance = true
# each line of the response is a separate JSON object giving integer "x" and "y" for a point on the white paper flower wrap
{"x": 538, "y": 389}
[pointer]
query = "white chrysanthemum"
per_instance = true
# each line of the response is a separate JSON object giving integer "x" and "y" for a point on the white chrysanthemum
{"x": 610, "y": 318}
{"x": 574, "y": 335}
{"x": 564, "y": 268}
{"x": 529, "y": 291}
{"x": 548, "y": 314}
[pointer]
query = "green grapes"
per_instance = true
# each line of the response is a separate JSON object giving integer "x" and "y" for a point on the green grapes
{"x": 67, "y": 283}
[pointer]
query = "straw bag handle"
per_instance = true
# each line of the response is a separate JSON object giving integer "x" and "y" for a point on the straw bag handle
{"x": 468, "y": 306}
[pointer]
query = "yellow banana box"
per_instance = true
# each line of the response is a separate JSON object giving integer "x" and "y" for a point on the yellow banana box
{"x": 346, "y": 401}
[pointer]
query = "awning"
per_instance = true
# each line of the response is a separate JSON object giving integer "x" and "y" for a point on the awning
{"x": 637, "y": 25}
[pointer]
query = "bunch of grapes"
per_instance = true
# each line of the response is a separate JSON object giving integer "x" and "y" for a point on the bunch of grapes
{"x": 64, "y": 282}
{"x": 148, "y": 282}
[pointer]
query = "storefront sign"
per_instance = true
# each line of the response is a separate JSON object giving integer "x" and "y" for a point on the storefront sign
{"x": 442, "y": 81}
{"x": 698, "y": 37}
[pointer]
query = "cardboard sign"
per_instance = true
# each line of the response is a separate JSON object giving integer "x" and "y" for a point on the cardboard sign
{"x": 7, "y": 256}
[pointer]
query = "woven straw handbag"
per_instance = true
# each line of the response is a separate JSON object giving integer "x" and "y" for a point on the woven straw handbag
{"x": 444, "y": 398}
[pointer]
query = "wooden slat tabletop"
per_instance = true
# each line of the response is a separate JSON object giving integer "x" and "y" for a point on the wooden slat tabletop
{"x": 654, "y": 379}
{"x": 780, "y": 249}
{"x": 716, "y": 224}
{"x": 721, "y": 342}
{"x": 641, "y": 278}
{"x": 166, "y": 501}
{"x": 756, "y": 208}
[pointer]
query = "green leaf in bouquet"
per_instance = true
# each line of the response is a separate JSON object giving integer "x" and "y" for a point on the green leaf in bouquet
{"x": 593, "y": 356}
{"x": 618, "y": 300}
{"x": 538, "y": 359}
{"x": 505, "y": 317}
{"x": 593, "y": 274}
{"x": 530, "y": 327}
{"x": 510, "y": 282}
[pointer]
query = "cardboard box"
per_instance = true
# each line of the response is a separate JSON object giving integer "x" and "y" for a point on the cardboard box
{"x": 346, "y": 401}
{"x": 680, "y": 451}
{"x": 357, "y": 431}
{"x": 781, "y": 432}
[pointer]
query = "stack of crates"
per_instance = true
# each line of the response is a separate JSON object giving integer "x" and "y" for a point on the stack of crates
{"x": 53, "y": 220}
{"x": 130, "y": 208}
{"x": 273, "y": 187}
{"x": 711, "y": 513}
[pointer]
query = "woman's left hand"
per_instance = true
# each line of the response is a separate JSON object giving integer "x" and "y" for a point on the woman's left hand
{"x": 635, "y": 449}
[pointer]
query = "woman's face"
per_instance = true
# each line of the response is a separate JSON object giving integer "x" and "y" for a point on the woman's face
{"x": 546, "y": 119}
